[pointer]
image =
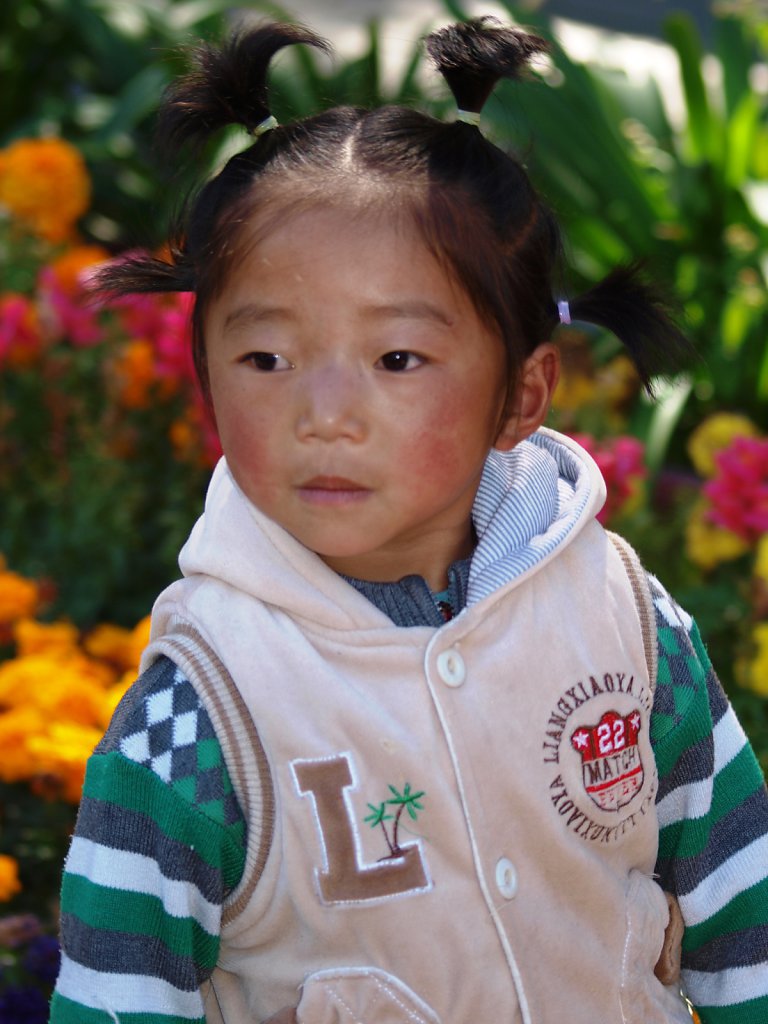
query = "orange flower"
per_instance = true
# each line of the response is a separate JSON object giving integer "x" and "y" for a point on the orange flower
{"x": 113, "y": 644}
{"x": 62, "y": 753}
{"x": 16, "y": 728}
{"x": 68, "y": 268}
{"x": 139, "y": 640}
{"x": 54, "y": 638}
{"x": 61, "y": 689}
{"x": 19, "y": 597}
{"x": 136, "y": 374}
{"x": 9, "y": 877}
{"x": 45, "y": 185}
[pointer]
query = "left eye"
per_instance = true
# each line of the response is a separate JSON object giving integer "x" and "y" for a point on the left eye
{"x": 267, "y": 362}
{"x": 396, "y": 362}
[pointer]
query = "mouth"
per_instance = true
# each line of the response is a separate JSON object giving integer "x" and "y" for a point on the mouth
{"x": 332, "y": 490}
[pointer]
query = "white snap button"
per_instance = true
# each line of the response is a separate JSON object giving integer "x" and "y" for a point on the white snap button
{"x": 506, "y": 878}
{"x": 450, "y": 667}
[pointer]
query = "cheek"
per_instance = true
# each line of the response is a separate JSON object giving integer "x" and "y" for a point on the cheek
{"x": 441, "y": 455}
{"x": 247, "y": 442}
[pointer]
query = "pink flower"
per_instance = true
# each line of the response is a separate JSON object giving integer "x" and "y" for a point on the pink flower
{"x": 67, "y": 314}
{"x": 738, "y": 492}
{"x": 620, "y": 460}
{"x": 19, "y": 331}
{"x": 165, "y": 321}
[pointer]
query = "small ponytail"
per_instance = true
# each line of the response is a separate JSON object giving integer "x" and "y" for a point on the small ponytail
{"x": 474, "y": 55}
{"x": 227, "y": 85}
{"x": 641, "y": 316}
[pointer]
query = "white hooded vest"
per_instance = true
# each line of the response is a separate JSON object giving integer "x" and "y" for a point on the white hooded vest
{"x": 454, "y": 824}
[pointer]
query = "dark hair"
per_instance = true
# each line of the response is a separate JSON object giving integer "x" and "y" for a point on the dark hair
{"x": 473, "y": 204}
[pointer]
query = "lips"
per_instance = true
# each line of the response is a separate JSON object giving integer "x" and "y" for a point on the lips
{"x": 332, "y": 490}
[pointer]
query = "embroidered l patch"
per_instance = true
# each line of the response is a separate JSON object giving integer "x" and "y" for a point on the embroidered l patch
{"x": 345, "y": 878}
{"x": 612, "y": 769}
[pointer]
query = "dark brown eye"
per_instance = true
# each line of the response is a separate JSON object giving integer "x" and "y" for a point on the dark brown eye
{"x": 396, "y": 362}
{"x": 267, "y": 362}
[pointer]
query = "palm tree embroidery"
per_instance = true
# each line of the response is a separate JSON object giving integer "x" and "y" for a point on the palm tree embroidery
{"x": 405, "y": 801}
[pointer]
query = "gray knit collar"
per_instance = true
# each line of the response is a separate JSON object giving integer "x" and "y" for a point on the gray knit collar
{"x": 410, "y": 602}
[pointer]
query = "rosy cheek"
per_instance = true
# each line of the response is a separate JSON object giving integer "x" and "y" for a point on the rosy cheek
{"x": 245, "y": 440}
{"x": 437, "y": 455}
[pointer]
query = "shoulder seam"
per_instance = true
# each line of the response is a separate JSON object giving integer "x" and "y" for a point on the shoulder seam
{"x": 641, "y": 589}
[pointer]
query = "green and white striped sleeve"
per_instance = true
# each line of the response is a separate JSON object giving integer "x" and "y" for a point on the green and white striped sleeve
{"x": 713, "y": 815}
{"x": 159, "y": 842}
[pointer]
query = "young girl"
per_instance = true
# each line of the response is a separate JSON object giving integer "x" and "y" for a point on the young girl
{"x": 416, "y": 740}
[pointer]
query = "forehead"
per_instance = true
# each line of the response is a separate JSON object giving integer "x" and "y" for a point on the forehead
{"x": 338, "y": 249}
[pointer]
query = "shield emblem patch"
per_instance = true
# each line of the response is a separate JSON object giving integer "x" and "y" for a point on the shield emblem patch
{"x": 612, "y": 770}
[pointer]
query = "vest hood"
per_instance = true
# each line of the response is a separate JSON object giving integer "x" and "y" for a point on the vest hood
{"x": 531, "y": 502}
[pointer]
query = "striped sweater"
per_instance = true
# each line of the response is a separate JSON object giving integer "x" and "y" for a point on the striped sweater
{"x": 160, "y": 842}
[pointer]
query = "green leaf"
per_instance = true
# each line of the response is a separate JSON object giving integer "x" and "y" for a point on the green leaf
{"x": 670, "y": 403}
{"x": 680, "y": 30}
{"x": 742, "y": 136}
{"x": 136, "y": 101}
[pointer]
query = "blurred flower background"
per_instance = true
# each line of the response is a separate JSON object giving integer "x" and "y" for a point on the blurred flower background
{"x": 106, "y": 446}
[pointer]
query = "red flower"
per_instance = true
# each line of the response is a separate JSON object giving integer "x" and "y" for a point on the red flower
{"x": 620, "y": 460}
{"x": 20, "y": 339}
{"x": 739, "y": 490}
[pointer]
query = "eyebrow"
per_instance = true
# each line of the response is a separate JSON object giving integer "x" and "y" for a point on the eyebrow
{"x": 253, "y": 313}
{"x": 409, "y": 309}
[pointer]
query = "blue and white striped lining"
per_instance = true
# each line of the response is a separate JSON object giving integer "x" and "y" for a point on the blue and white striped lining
{"x": 528, "y": 502}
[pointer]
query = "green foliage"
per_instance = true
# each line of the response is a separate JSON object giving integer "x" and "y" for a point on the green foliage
{"x": 92, "y": 71}
{"x": 629, "y": 184}
{"x": 103, "y": 525}
{"x": 96, "y": 496}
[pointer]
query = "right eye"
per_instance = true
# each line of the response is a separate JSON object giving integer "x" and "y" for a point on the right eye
{"x": 267, "y": 362}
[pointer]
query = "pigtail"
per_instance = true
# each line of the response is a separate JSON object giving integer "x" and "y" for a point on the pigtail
{"x": 472, "y": 56}
{"x": 642, "y": 317}
{"x": 227, "y": 85}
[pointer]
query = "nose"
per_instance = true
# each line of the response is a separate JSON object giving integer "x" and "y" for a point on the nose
{"x": 331, "y": 405}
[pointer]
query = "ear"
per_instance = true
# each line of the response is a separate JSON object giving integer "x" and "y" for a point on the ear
{"x": 538, "y": 380}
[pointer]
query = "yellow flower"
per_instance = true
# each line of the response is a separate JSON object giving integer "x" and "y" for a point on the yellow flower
{"x": 574, "y": 390}
{"x": 19, "y": 597}
{"x": 757, "y": 675}
{"x": 9, "y": 877}
{"x": 62, "y": 753}
{"x": 45, "y": 185}
{"x": 54, "y": 638}
{"x": 17, "y": 727}
{"x": 761, "y": 558}
{"x": 65, "y": 690}
{"x": 713, "y": 435}
{"x": 707, "y": 544}
{"x": 113, "y": 696}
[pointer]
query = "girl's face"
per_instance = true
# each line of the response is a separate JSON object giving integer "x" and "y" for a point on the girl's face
{"x": 357, "y": 393}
